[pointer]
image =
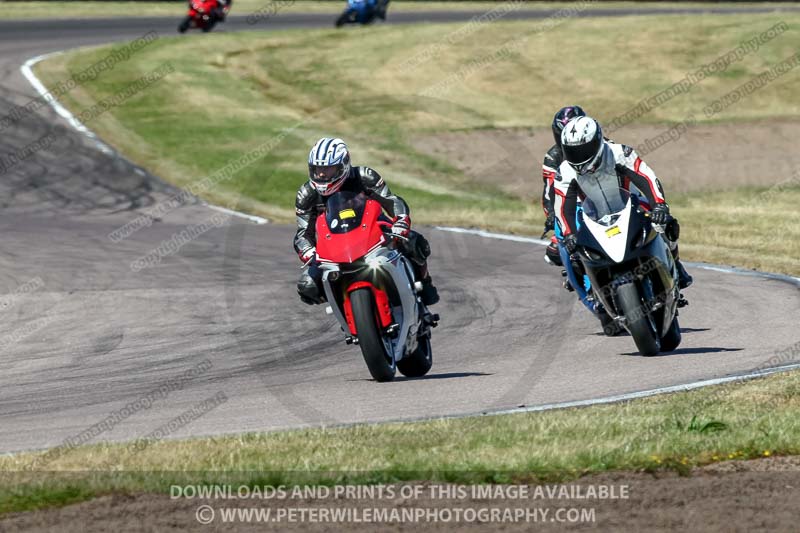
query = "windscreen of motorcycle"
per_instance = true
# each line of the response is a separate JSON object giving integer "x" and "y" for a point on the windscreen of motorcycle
{"x": 603, "y": 196}
{"x": 344, "y": 211}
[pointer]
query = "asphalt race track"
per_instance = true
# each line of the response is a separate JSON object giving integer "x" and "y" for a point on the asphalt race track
{"x": 94, "y": 336}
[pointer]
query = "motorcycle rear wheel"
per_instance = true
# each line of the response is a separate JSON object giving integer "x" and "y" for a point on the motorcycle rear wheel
{"x": 610, "y": 328}
{"x": 638, "y": 321}
{"x": 343, "y": 19}
{"x": 419, "y": 362}
{"x": 184, "y": 25}
{"x": 381, "y": 364}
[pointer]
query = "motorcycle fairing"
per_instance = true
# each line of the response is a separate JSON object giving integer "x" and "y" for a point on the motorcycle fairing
{"x": 612, "y": 238}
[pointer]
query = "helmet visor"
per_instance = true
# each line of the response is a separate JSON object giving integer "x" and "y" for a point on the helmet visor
{"x": 582, "y": 153}
{"x": 324, "y": 173}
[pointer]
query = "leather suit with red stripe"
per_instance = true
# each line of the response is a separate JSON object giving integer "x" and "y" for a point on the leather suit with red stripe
{"x": 552, "y": 160}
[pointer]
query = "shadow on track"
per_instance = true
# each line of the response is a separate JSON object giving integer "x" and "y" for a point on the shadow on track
{"x": 692, "y": 351}
{"x": 446, "y": 375}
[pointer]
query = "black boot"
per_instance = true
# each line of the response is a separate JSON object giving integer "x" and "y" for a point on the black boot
{"x": 684, "y": 279}
{"x": 551, "y": 255}
{"x": 429, "y": 293}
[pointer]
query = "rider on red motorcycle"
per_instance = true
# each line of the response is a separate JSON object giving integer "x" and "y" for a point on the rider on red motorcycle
{"x": 223, "y": 6}
{"x": 330, "y": 171}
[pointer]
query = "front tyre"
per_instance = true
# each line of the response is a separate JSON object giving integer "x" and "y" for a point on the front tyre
{"x": 639, "y": 324}
{"x": 380, "y": 363}
{"x": 672, "y": 338}
{"x": 419, "y": 362}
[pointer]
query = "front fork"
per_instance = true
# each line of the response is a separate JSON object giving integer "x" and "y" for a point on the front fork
{"x": 582, "y": 288}
{"x": 413, "y": 318}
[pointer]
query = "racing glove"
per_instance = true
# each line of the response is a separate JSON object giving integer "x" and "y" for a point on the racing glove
{"x": 660, "y": 214}
{"x": 401, "y": 226}
{"x": 571, "y": 243}
{"x": 308, "y": 254}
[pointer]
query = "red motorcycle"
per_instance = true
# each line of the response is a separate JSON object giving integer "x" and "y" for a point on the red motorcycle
{"x": 370, "y": 287}
{"x": 203, "y": 14}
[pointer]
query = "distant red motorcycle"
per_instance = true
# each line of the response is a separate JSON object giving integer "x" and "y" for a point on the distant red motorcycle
{"x": 203, "y": 14}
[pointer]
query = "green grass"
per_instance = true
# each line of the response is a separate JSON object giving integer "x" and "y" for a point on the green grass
{"x": 737, "y": 421}
{"x": 230, "y": 93}
{"x": 93, "y": 9}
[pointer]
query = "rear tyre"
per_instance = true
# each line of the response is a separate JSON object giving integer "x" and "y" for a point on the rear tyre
{"x": 342, "y": 20}
{"x": 380, "y": 363}
{"x": 419, "y": 362}
{"x": 672, "y": 338}
{"x": 610, "y": 328}
{"x": 643, "y": 334}
{"x": 184, "y": 25}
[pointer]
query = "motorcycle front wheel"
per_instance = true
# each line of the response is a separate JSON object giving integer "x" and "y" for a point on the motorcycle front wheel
{"x": 380, "y": 363}
{"x": 672, "y": 338}
{"x": 638, "y": 319}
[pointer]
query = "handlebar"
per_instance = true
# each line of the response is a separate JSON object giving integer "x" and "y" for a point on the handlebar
{"x": 388, "y": 225}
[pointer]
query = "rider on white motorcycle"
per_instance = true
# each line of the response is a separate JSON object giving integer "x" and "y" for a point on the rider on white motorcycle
{"x": 584, "y": 150}
{"x": 330, "y": 171}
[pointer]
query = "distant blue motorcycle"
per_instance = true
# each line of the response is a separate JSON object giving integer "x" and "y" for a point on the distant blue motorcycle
{"x": 363, "y": 12}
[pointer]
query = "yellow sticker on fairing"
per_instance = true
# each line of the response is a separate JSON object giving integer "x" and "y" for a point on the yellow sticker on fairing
{"x": 610, "y": 232}
{"x": 347, "y": 213}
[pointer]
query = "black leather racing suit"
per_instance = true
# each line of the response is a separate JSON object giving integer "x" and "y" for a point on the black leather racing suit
{"x": 309, "y": 204}
{"x": 552, "y": 160}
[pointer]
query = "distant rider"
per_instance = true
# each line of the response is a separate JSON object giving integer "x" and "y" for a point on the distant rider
{"x": 585, "y": 151}
{"x": 330, "y": 171}
{"x": 552, "y": 160}
{"x": 222, "y": 9}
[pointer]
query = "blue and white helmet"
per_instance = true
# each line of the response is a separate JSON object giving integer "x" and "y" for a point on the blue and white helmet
{"x": 328, "y": 165}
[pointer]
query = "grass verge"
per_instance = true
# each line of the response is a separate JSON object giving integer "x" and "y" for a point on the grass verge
{"x": 738, "y": 421}
{"x": 120, "y": 8}
{"x": 230, "y": 93}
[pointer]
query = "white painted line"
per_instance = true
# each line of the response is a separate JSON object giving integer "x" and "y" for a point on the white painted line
{"x": 490, "y": 235}
{"x": 704, "y": 266}
{"x": 745, "y": 272}
{"x": 27, "y": 71}
{"x": 646, "y": 393}
{"x": 252, "y": 218}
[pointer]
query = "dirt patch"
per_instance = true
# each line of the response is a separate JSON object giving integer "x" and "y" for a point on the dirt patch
{"x": 760, "y": 495}
{"x": 706, "y": 157}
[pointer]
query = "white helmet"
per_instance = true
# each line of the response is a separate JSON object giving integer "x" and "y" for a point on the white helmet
{"x": 328, "y": 165}
{"x": 582, "y": 143}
